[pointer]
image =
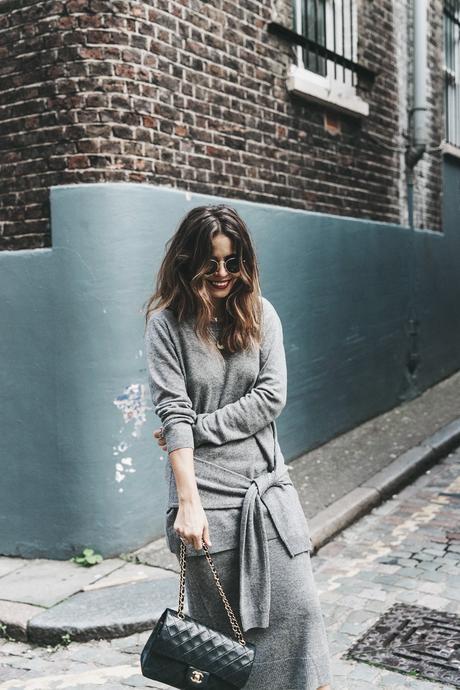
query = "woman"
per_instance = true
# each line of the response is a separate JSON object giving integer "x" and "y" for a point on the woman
{"x": 217, "y": 375}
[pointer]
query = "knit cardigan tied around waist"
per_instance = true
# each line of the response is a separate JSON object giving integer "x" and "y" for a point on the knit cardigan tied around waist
{"x": 220, "y": 487}
{"x": 280, "y": 497}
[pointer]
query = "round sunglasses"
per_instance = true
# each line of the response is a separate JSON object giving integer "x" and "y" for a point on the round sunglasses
{"x": 232, "y": 265}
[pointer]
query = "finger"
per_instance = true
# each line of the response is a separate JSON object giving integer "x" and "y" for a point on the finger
{"x": 193, "y": 543}
{"x": 206, "y": 538}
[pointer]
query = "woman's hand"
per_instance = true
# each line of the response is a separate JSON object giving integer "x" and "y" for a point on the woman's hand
{"x": 158, "y": 434}
{"x": 191, "y": 523}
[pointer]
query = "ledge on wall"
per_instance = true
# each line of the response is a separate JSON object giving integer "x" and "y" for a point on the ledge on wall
{"x": 336, "y": 95}
{"x": 450, "y": 149}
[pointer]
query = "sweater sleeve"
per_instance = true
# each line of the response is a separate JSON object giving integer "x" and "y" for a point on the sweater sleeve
{"x": 262, "y": 404}
{"x": 167, "y": 387}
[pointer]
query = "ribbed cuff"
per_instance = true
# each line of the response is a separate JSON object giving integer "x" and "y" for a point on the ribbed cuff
{"x": 179, "y": 435}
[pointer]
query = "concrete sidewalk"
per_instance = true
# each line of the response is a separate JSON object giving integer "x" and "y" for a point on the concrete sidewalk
{"x": 46, "y": 602}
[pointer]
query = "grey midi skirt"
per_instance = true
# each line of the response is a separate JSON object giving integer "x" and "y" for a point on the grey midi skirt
{"x": 293, "y": 652}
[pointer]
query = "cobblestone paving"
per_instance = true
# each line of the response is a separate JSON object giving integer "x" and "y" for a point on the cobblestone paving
{"x": 406, "y": 550}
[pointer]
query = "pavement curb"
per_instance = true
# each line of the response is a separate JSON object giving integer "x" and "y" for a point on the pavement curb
{"x": 118, "y": 611}
{"x": 342, "y": 513}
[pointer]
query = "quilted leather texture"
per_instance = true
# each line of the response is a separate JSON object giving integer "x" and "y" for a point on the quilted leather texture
{"x": 175, "y": 645}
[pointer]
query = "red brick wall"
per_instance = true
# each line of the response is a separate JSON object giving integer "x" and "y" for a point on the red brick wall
{"x": 188, "y": 94}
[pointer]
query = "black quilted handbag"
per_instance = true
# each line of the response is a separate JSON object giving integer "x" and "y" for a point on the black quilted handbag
{"x": 184, "y": 653}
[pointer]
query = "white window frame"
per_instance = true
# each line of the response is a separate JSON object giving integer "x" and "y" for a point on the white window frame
{"x": 452, "y": 76}
{"x": 338, "y": 94}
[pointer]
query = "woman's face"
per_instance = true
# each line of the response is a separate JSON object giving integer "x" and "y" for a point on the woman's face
{"x": 221, "y": 282}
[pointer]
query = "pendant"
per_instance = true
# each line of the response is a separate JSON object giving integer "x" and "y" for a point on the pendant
{"x": 221, "y": 347}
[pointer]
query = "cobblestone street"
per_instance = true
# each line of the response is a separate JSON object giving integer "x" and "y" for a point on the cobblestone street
{"x": 403, "y": 551}
{"x": 407, "y": 550}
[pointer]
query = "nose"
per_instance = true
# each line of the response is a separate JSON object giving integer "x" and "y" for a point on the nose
{"x": 222, "y": 270}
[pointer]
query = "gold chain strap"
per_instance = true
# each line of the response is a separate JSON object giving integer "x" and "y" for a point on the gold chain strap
{"x": 233, "y": 622}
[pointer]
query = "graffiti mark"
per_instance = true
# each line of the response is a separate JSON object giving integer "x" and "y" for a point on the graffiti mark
{"x": 132, "y": 404}
{"x": 123, "y": 468}
{"x": 121, "y": 448}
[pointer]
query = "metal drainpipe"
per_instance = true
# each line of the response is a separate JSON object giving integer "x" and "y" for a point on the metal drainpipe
{"x": 417, "y": 115}
{"x": 414, "y": 152}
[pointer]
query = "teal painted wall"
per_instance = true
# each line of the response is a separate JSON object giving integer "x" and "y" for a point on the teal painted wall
{"x": 79, "y": 466}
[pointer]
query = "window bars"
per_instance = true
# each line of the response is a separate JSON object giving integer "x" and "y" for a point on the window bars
{"x": 452, "y": 72}
{"x": 330, "y": 24}
{"x": 326, "y": 40}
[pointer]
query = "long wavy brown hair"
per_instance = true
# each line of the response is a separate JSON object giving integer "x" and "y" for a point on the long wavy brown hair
{"x": 181, "y": 284}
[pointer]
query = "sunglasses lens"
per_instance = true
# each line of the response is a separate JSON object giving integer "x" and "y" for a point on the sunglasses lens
{"x": 211, "y": 267}
{"x": 233, "y": 265}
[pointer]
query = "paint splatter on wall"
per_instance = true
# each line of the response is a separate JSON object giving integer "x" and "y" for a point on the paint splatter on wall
{"x": 124, "y": 465}
{"x": 133, "y": 405}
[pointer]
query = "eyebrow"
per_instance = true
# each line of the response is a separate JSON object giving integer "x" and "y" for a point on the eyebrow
{"x": 225, "y": 257}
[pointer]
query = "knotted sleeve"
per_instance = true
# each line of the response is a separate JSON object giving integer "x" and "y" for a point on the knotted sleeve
{"x": 167, "y": 387}
{"x": 262, "y": 404}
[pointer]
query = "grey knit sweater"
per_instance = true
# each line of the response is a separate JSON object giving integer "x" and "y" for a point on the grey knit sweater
{"x": 224, "y": 407}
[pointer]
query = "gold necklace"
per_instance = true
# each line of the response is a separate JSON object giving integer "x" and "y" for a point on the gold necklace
{"x": 218, "y": 343}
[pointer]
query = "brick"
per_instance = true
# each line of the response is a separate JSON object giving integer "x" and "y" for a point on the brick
{"x": 169, "y": 76}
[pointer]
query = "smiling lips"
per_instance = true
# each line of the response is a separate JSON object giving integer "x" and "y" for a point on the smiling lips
{"x": 220, "y": 285}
